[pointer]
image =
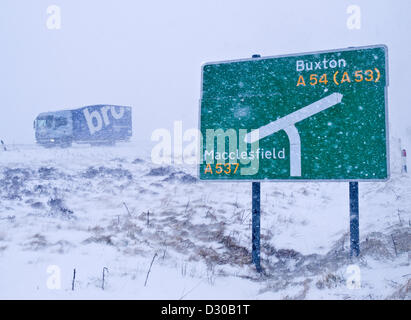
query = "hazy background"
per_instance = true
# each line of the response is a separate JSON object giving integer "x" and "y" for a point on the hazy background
{"x": 148, "y": 54}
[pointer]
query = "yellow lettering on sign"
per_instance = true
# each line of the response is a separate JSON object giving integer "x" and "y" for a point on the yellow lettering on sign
{"x": 313, "y": 79}
{"x": 323, "y": 79}
{"x": 369, "y": 75}
{"x": 358, "y": 76}
{"x": 345, "y": 77}
{"x": 208, "y": 169}
{"x": 300, "y": 81}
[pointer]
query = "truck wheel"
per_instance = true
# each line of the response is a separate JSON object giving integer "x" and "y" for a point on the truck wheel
{"x": 109, "y": 143}
{"x": 66, "y": 144}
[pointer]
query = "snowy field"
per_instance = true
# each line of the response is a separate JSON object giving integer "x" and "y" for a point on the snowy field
{"x": 89, "y": 208}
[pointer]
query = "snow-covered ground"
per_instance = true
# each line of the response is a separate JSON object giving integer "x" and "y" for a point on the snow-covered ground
{"x": 89, "y": 208}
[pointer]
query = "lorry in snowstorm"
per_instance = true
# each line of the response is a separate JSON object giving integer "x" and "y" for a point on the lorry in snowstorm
{"x": 95, "y": 125}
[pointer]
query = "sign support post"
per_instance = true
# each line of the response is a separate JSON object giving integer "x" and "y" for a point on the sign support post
{"x": 256, "y": 217}
{"x": 354, "y": 220}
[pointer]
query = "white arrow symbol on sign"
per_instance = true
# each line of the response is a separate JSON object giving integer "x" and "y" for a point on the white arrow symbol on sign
{"x": 287, "y": 124}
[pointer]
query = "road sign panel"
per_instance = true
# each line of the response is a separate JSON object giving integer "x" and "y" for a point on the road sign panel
{"x": 311, "y": 116}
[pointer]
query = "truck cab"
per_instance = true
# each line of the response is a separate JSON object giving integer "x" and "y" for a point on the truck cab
{"x": 54, "y": 129}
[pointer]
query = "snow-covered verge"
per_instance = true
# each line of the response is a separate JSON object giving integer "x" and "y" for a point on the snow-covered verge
{"x": 109, "y": 207}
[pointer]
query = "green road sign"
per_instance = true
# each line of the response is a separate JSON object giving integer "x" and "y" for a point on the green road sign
{"x": 310, "y": 116}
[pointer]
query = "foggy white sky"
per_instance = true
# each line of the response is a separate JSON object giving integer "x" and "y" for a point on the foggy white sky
{"x": 148, "y": 54}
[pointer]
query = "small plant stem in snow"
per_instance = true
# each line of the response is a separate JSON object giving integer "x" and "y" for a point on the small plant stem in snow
{"x": 399, "y": 216}
{"x": 104, "y": 274}
{"x": 128, "y": 211}
{"x": 395, "y": 246}
{"x": 149, "y": 269}
{"x": 74, "y": 279}
{"x": 188, "y": 202}
{"x": 4, "y": 147}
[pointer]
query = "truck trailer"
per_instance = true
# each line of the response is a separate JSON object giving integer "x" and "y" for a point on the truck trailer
{"x": 94, "y": 125}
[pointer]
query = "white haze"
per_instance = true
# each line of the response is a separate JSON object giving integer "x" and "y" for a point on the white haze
{"x": 148, "y": 54}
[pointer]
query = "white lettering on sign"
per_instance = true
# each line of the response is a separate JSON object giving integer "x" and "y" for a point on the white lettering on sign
{"x": 259, "y": 153}
{"x": 95, "y": 120}
{"x": 302, "y": 65}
